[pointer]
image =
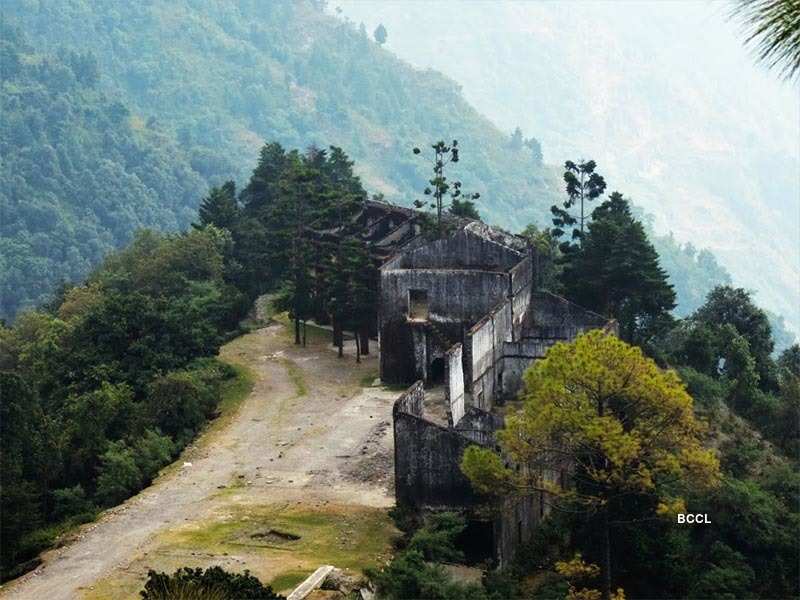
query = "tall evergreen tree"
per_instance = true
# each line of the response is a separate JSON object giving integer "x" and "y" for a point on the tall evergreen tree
{"x": 380, "y": 34}
{"x": 616, "y": 272}
{"x": 583, "y": 186}
{"x": 219, "y": 208}
{"x": 440, "y": 187}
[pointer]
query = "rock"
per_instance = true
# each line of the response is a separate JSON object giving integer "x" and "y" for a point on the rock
{"x": 341, "y": 581}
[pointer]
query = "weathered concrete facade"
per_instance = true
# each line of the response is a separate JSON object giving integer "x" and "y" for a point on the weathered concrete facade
{"x": 462, "y": 312}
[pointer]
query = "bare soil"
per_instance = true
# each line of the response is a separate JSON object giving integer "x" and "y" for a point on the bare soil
{"x": 296, "y": 476}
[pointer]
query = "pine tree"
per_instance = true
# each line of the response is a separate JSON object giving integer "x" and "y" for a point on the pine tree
{"x": 616, "y": 272}
{"x": 602, "y": 431}
{"x": 219, "y": 208}
{"x": 441, "y": 188}
{"x": 380, "y": 34}
{"x": 583, "y": 186}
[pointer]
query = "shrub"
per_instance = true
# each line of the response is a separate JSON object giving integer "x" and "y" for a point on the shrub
{"x": 68, "y": 502}
{"x": 211, "y": 584}
{"x": 119, "y": 475}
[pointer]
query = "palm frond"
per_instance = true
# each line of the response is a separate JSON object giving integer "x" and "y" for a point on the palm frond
{"x": 772, "y": 28}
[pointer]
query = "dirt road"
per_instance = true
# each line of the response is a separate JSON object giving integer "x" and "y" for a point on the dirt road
{"x": 298, "y": 475}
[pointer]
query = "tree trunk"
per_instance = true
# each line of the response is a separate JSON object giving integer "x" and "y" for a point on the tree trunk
{"x": 364, "y": 340}
{"x": 606, "y": 555}
{"x": 304, "y": 333}
{"x": 358, "y": 346}
{"x": 338, "y": 335}
{"x": 297, "y": 331}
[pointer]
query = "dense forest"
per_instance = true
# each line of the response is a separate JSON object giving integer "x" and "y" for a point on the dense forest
{"x": 136, "y": 235}
{"x": 105, "y": 384}
{"x": 79, "y": 175}
{"x": 107, "y": 133}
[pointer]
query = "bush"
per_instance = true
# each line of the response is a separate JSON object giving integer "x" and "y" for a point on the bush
{"x": 436, "y": 541}
{"x": 119, "y": 475}
{"x": 212, "y": 584}
{"x": 69, "y": 502}
{"x": 179, "y": 403}
{"x": 411, "y": 575}
{"x": 152, "y": 452}
{"x": 706, "y": 390}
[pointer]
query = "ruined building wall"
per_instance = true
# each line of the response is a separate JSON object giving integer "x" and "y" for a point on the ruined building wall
{"x": 549, "y": 319}
{"x": 515, "y": 525}
{"x": 479, "y": 425}
{"x": 427, "y": 458}
{"x": 521, "y": 288}
{"x": 453, "y": 296}
{"x": 557, "y": 318}
{"x": 462, "y": 250}
{"x": 455, "y": 300}
{"x": 454, "y": 384}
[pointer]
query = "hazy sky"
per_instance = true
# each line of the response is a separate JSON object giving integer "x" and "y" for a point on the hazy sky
{"x": 662, "y": 95}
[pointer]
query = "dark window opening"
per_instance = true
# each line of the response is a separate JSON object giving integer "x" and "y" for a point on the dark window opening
{"x": 477, "y": 542}
{"x": 418, "y": 305}
{"x": 436, "y": 373}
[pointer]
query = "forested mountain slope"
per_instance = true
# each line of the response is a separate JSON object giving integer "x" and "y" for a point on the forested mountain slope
{"x": 192, "y": 90}
{"x": 79, "y": 174}
{"x": 662, "y": 95}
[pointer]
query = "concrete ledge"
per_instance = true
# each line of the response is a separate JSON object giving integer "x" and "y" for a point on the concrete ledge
{"x": 311, "y": 583}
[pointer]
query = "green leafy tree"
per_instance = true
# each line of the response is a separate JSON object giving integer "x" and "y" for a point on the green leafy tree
{"x": 547, "y": 255}
{"x": 726, "y": 305}
{"x": 465, "y": 208}
{"x": 789, "y": 361}
{"x": 119, "y": 476}
{"x": 598, "y": 410}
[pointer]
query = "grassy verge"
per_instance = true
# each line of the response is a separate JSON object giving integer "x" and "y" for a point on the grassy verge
{"x": 296, "y": 375}
{"x": 349, "y": 537}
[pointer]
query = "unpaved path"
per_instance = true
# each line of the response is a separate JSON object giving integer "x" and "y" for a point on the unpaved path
{"x": 308, "y": 433}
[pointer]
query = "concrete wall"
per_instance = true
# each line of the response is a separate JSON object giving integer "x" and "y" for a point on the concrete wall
{"x": 453, "y": 296}
{"x": 515, "y": 525}
{"x": 462, "y": 250}
{"x": 479, "y": 426}
{"x": 521, "y": 288}
{"x": 454, "y": 384}
{"x": 427, "y": 458}
{"x": 485, "y": 341}
{"x": 551, "y": 316}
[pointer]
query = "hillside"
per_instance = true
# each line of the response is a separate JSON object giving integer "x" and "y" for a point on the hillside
{"x": 661, "y": 94}
{"x": 183, "y": 118}
{"x": 79, "y": 174}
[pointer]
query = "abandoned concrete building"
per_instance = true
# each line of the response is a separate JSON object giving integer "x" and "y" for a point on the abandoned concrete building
{"x": 460, "y": 319}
